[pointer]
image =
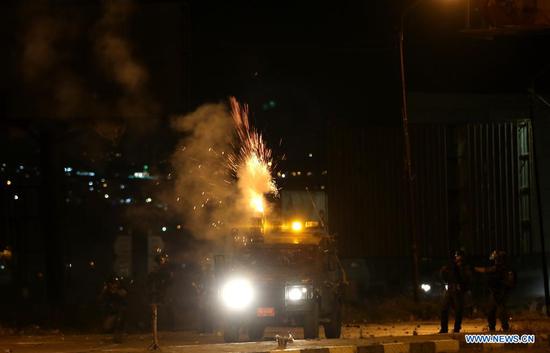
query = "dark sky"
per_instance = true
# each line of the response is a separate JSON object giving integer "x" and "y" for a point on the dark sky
{"x": 299, "y": 64}
{"x": 340, "y": 60}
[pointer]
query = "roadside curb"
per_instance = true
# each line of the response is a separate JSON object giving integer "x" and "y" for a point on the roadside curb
{"x": 432, "y": 346}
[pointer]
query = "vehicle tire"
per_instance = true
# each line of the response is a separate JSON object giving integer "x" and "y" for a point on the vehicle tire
{"x": 256, "y": 332}
{"x": 333, "y": 329}
{"x": 311, "y": 323}
{"x": 231, "y": 332}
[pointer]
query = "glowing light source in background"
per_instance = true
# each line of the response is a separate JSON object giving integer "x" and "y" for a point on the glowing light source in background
{"x": 84, "y": 173}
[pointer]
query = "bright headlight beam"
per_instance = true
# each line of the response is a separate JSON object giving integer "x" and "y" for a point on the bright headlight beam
{"x": 297, "y": 293}
{"x": 237, "y": 293}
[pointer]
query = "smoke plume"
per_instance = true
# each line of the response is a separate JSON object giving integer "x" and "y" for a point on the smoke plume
{"x": 118, "y": 62}
{"x": 62, "y": 50}
{"x": 223, "y": 170}
{"x": 204, "y": 190}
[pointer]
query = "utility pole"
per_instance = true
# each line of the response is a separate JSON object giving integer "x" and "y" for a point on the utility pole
{"x": 467, "y": 19}
{"x": 407, "y": 154}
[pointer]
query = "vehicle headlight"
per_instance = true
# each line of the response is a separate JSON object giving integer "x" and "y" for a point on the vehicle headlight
{"x": 237, "y": 293}
{"x": 425, "y": 287}
{"x": 295, "y": 293}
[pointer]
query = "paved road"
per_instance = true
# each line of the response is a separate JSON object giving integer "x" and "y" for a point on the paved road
{"x": 192, "y": 342}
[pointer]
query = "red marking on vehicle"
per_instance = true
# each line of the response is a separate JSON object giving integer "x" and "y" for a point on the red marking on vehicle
{"x": 265, "y": 312}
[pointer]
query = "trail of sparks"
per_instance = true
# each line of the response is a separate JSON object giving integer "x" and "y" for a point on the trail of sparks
{"x": 252, "y": 164}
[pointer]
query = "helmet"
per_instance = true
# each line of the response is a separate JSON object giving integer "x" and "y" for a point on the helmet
{"x": 6, "y": 253}
{"x": 498, "y": 256}
{"x": 459, "y": 252}
{"x": 113, "y": 280}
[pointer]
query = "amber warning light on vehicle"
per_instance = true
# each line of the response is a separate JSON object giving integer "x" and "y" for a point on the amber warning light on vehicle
{"x": 297, "y": 226}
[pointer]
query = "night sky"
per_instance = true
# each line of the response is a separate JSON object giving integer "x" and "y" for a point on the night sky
{"x": 303, "y": 63}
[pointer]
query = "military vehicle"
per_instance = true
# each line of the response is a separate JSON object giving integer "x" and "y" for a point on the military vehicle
{"x": 281, "y": 275}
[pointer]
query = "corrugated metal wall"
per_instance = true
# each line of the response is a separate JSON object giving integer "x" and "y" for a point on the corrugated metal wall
{"x": 364, "y": 166}
{"x": 367, "y": 188}
{"x": 429, "y": 153}
{"x": 493, "y": 205}
{"x": 466, "y": 189}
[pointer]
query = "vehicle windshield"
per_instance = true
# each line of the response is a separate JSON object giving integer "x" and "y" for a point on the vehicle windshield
{"x": 296, "y": 256}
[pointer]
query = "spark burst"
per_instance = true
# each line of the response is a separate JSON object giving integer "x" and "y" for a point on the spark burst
{"x": 253, "y": 161}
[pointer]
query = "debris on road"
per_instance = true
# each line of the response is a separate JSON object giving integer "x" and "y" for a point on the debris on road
{"x": 282, "y": 341}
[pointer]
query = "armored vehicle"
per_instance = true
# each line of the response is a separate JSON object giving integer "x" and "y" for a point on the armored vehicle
{"x": 286, "y": 276}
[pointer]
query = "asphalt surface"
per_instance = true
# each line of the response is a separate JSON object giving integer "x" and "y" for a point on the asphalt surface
{"x": 193, "y": 342}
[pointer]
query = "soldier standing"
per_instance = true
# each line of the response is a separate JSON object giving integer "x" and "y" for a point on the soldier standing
{"x": 456, "y": 276}
{"x": 159, "y": 280}
{"x": 500, "y": 279}
{"x": 114, "y": 299}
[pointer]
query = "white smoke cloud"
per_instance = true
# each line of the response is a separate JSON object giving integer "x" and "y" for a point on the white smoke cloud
{"x": 221, "y": 179}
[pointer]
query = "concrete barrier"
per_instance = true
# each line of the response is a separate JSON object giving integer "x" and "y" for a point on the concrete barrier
{"x": 435, "y": 346}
